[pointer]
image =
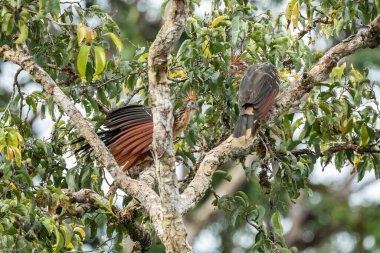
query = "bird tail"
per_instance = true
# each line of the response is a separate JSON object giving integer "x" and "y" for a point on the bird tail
{"x": 244, "y": 123}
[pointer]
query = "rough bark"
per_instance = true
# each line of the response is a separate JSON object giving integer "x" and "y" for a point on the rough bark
{"x": 174, "y": 237}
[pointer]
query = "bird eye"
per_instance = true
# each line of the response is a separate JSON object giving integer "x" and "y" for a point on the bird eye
{"x": 233, "y": 68}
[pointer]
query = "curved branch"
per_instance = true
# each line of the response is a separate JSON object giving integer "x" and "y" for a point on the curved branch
{"x": 319, "y": 72}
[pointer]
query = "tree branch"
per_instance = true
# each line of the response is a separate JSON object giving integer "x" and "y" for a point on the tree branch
{"x": 159, "y": 90}
{"x": 336, "y": 147}
{"x": 318, "y": 73}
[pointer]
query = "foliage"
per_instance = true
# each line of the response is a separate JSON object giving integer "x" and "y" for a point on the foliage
{"x": 82, "y": 51}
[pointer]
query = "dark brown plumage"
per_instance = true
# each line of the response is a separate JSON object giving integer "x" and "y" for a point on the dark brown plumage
{"x": 257, "y": 92}
{"x": 130, "y": 130}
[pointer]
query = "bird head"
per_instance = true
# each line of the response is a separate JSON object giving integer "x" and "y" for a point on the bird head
{"x": 237, "y": 66}
{"x": 191, "y": 100}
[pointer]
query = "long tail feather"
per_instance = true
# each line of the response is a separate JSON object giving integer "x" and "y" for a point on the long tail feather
{"x": 244, "y": 123}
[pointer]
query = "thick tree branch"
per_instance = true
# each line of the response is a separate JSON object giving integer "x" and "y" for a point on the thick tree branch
{"x": 174, "y": 230}
{"x": 336, "y": 147}
{"x": 318, "y": 73}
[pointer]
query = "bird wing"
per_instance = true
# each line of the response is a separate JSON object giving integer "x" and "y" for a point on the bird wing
{"x": 131, "y": 144}
{"x": 128, "y": 135}
{"x": 258, "y": 89}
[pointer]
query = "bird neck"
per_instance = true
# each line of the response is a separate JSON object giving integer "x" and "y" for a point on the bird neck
{"x": 181, "y": 120}
{"x": 240, "y": 73}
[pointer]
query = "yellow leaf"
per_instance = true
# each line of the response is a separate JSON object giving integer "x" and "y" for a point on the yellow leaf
{"x": 17, "y": 155}
{"x": 178, "y": 145}
{"x": 323, "y": 147}
{"x": 217, "y": 21}
{"x": 205, "y": 48}
{"x": 138, "y": 82}
{"x": 20, "y": 139}
{"x": 289, "y": 10}
{"x": 124, "y": 87}
{"x": 80, "y": 33}
{"x": 143, "y": 57}
{"x": 9, "y": 153}
{"x": 357, "y": 160}
{"x": 81, "y": 232}
{"x": 295, "y": 15}
{"x": 69, "y": 245}
{"x": 356, "y": 73}
{"x": 89, "y": 34}
{"x": 178, "y": 74}
{"x": 116, "y": 41}
{"x": 1, "y": 147}
{"x": 235, "y": 83}
{"x": 94, "y": 178}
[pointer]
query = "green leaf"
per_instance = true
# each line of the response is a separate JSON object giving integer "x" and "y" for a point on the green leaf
{"x": 82, "y": 61}
{"x": 12, "y": 139}
{"x": 41, "y": 146}
{"x": 260, "y": 213}
{"x": 23, "y": 32}
{"x": 184, "y": 46}
{"x": 67, "y": 233}
{"x": 310, "y": 117}
{"x": 376, "y": 163}
{"x": 42, "y": 7}
{"x": 364, "y": 137}
{"x": 48, "y": 224}
{"x": 276, "y": 222}
{"x": 234, "y": 215}
{"x": 235, "y": 30}
{"x": 59, "y": 240}
{"x": 243, "y": 195}
{"x": 339, "y": 26}
{"x": 100, "y": 61}
{"x": 17, "y": 154}
{"x": 51, "y": 108}
{"x": 30, "y": 101}
{"x": 7, "y": 24}
{"x": 116, "y": 41}
{"x": 2, "y": 136}
{"x": 54, "y": 8}
{"x": 81, "y": 31}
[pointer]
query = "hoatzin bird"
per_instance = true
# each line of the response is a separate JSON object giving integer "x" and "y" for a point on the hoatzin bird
{"x": 130, "y": 130}
{"x": 257, "y": 92}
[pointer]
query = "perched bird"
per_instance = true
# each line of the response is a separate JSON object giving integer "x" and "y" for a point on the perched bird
{"x": 130, "y": 130}
{"x": 257, "y": 92}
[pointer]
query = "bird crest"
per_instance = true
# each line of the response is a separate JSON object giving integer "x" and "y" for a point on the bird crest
{"x": 191, "y": 95}
{"x": 237, "y": 60}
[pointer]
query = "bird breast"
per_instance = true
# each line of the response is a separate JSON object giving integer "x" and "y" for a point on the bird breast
{"x": 181, "y": 120}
